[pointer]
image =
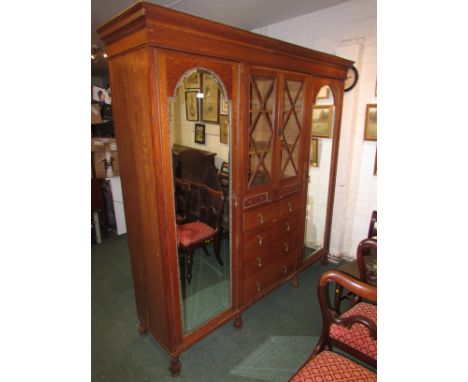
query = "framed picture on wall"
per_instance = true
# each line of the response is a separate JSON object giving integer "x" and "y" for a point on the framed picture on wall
{"x": 322, "y": 121}
{"x": 224, "y": 129}
{"x": 192, "y": 81}
{"x": 210, "y": 100}
{"x": 224, "y": 105}
{"x": 370, "y": 130}
{"x": 314, "y": 152}
{"x": 191, "y": 105}
{"x": 324, "y": 93}
{"x": 200, "y": 133}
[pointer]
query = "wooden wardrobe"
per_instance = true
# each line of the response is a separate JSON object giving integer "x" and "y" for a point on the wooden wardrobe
{"x": 271, "y": 87}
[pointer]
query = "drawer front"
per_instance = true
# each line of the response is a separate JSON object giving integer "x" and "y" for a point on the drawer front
{"x": 256, "y": 285}
{"x": 270, "y": 213}
{"x": 267, "y": 236}
{"x": 256, "y": 262}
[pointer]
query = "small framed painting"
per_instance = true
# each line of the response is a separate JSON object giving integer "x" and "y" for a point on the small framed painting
{"x": 224, "y": 105}
{"x": 192, "y": 81}
{"x": 322, "y": 121}
{"x": 370, "y": 130}
{"x": 210, "y": 100}
{"x": 224, "y": 129}
{"x": 200, "y": 133}
{"x": 324, "y": 93}
{"x": 191, "y": 105}
{"x": 314, "y": 152}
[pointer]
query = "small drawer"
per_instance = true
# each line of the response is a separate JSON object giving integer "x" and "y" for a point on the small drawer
{"x": 256, "y": 285}
{"x": 263, "y": 237}
{"x": 271, "y": 212}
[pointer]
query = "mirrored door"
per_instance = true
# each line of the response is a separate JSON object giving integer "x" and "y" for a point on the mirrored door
{"x": 200, "y": 141}
{"x": 320, "y": 158}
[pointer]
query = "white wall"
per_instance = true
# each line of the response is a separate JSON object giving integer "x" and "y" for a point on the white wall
{"x": 348, "y": 30}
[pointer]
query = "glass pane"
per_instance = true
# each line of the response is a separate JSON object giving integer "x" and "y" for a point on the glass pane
{"x": 290, "y": 131}
{"x": 262, "y": 98}
{"x": 319, "y": 171}
{"x": 199, "y": 123}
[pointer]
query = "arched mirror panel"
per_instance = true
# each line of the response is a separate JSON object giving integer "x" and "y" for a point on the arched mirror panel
{"x": 200, "y": 141}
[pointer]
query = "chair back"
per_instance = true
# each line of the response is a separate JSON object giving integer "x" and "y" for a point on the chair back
{"x": 211, "y": 207}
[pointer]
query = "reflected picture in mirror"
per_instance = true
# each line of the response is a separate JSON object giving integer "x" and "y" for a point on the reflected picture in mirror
{"x": 201, "y": 200}
{"x": 317, "y": 193}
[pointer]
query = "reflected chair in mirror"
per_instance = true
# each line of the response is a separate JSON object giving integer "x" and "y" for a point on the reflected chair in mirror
{"x": 223, "y": 175}
{"x": 182, "y": 200}
{"x": 365, "y": 265}
{"x": 354, "y": 332}
{"x": 199, "y": 233}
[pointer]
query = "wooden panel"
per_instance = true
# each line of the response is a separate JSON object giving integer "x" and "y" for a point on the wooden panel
{"x": 133, "y": 121}
{"x": 176, "y": 30}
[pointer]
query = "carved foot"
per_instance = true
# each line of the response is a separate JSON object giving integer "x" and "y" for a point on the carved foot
{"x": 238, "y": 322}
{"x": 175, "y": 367}
{"x": 142, "y": 328}
{"x": 324, "y": 260}
{"x": 294, "y": 282}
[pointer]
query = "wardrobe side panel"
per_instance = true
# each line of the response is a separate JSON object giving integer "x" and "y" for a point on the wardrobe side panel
{"x": 134, "y": 111}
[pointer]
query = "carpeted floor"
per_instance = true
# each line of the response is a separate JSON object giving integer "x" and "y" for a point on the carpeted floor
{"x": 279, "y": 331}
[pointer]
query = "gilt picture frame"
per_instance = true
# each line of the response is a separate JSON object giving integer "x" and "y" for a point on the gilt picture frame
{"x": 370, "y": 130}
{"x": 200, "y": 133}
{"x": 210, "y": 100}
{"x": 192, "y": 81}
{"x": 191, "y": 106}
{"x": 224, "y": 129}
{"x": 314, "y": 152}
{"x": 224, "y": 105}
{"x": 322, "y": 117}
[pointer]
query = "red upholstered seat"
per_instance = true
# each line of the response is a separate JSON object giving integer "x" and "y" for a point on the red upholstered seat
{"x": 357, "y": 336}
{"x": 328, "y": 367}
{"x": 194, "y": 232}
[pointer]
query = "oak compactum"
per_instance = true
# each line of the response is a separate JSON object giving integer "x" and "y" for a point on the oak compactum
{"x": 182, "y": 81}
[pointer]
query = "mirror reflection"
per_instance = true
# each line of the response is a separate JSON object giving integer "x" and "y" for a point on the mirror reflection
{"x": 199, "y": 122}
{"x": 320, "y": 155}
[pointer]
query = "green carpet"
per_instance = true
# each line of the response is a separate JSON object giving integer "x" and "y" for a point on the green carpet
{"x": 279, "y": 331}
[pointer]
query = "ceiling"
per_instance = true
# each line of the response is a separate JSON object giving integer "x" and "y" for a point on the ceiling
{"x": 244, "y": 14}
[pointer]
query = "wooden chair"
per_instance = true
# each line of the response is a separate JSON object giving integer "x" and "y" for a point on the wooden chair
{"x": 182, "y": 200}
{"x": 199, "y": 233}
{"x": 223, "y": 175}
{"x": 354, "y": 332}
{"x": 365, "y": 265}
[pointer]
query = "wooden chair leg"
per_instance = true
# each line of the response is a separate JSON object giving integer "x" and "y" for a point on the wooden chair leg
{"x": 217, "y": 248}
{"x": 189, "y": 265}
{"x": 205, "y": 250}
{"x": 182, "y": 260}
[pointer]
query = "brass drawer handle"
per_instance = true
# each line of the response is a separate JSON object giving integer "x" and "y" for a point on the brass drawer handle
{"x": 290, "y": 206}
{"x": 259, "y": 262}
{"x": 259, "y": 240}
{"x": 258, "y": 287}
{"x": 288, "y": 227}
{"x": 285, "y": 269}
{"x": 286, "y": 247}
{"x": 260, "y": 218}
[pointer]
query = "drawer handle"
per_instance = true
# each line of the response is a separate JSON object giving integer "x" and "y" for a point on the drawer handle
{"x": 259, "y": 262}
{"x": 290, "y": 207}
{"x": 286, "y": 247}
{"x": 288, "y": 227}
{"x": 260, "y": 218}
{"x": 285, "y": 269}
{"x": 259, "y": 240}
{"x": 258, "y": 287}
